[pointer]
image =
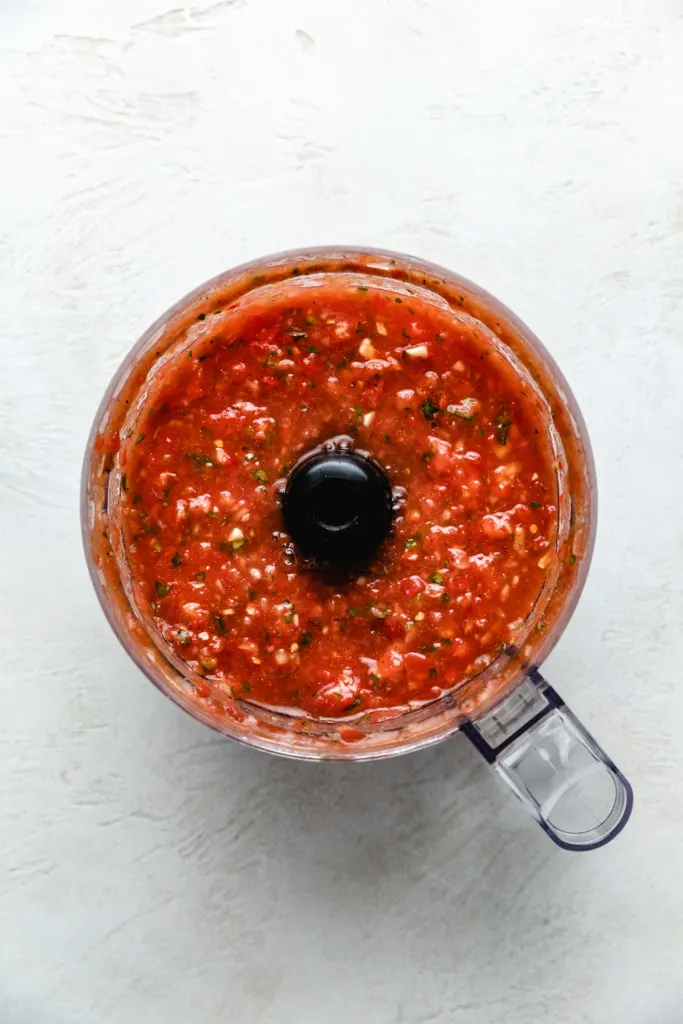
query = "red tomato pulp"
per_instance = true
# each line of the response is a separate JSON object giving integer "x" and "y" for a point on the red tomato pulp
{"x": 431, "y": 398}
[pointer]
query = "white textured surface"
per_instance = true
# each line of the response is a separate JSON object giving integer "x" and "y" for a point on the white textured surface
{"x": 151, "y": 871}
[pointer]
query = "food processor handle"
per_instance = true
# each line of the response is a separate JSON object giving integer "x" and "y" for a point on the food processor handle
{"x": 564, "y": 779}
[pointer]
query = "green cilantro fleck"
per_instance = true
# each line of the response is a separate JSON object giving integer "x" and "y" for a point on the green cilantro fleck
{"x": 260, "y": 475}
{"x": 219, "y": 623}
{"x": 238, "y": 543}
{"x": 176, "y": 560}
{"x": 535, "y": 504}
{"x": 140, "y": 439}
{"x": 429, "y": 410}
{"x": 436, "y": 577}
{"x": 200, "y": 459}
{"x": 183, "y": 637}
{"x": 162, "y": 589}
{"x": 305, "y": 639}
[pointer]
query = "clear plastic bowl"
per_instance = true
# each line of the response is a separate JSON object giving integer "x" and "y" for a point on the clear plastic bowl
{"x": 491, "y": 708}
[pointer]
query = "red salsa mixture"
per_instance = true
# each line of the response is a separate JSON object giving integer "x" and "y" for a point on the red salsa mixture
{"x": 460, "y": 437}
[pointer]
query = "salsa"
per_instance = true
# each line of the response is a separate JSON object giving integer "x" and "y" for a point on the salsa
{"x": 433, "y": 400}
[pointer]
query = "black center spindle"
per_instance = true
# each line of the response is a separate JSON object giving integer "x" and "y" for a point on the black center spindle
{"x": 337, "y": 507}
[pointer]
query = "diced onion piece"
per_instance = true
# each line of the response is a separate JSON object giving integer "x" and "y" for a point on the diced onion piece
{"x": 380, "y": 327}
{"x": 465, "y": 410}
{"x": 201, "y": 502}
{"x": 368, "y": 418}
{"x": 508, "y": 470}
{"x": 366, "y": 349}
{"x": 417, "y": 352}
{"x": 235, "y": 534}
